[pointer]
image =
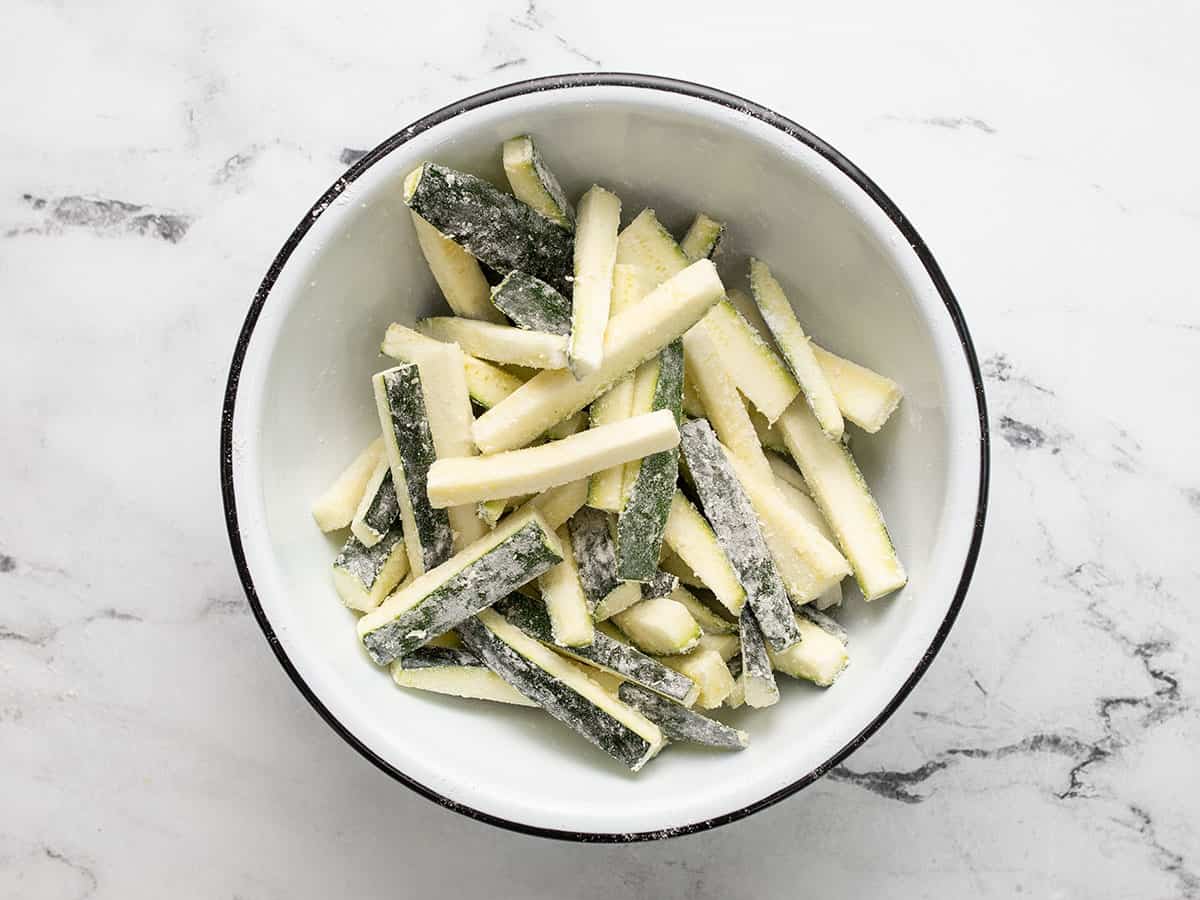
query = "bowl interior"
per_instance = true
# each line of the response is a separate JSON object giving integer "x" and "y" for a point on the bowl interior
{"x": 305, "y": 408}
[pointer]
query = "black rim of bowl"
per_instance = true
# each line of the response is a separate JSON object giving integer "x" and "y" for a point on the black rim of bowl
{"x": 560, "y": 82}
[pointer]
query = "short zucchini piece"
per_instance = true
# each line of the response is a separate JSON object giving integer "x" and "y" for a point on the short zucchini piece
{"x": 596, "y": 559}
{"x": 335, "y": 507}
{"x": 737, "y": 530}
{"x": 709, "y": 621}
{"x": 678, "y": 723}
{"x": 643, "y": 518}
{"x": 456, "y": 672}
{"x": 758, "y": 679}
{"x": 703, "y": 238}
{"x": 490, "y": 511}
{"x": 518, "y": 551}
{"x": 659, "y": 626}
{"x": 632, "y": 337}
{"x": 797, "y": 350}
{"x": 400, "y": 402}
{"x": 379, "y": 509}
{"x": 591, "y": 298}
{"x": 661, "y": 585}
{"x": 568, "y": 613}
{"x": 501, "y": 343}
{"x": 363, "y": 575}
{"x": 709, "y": 672}
{"x": 865, "y": 397}
{"x": 486, "y": 383}
{"x": 532, "y": 304}
{"x": 562, "y": 689}
{"x": 819, "y": 657}
{"x": 494, "y": 227}
{"x": 604, "y": 652}
{"x": 533, "y": 183}
{"x": 457, "y": 274}
{"x": 692, "y": 540}
{"x": 840, "y": 491}
{"x": 534, "y": 469}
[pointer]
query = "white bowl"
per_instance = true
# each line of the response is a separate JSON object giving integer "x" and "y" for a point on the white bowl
{"x": 299, "y": 407}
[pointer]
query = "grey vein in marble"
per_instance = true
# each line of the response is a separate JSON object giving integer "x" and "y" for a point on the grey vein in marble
{"x": 102, "y": 216}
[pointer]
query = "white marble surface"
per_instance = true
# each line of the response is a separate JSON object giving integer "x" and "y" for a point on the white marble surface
{"x": 149, "y": 742}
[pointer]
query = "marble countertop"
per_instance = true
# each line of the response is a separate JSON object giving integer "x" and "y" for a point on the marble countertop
{"x": 154, "y": 156}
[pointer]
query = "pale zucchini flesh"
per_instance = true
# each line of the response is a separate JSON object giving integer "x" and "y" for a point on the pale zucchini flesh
{"x": 363, "y": 575}
{"x": 457, "y": 673}
{"x": 497, "y": 564}
{"x": 734, "y": 522}
{"x": 605, "y": 489}
{"x": 457, "y": 274}
{"x": 562, "y": 689}
{"x": 819, "y": 657}
{"x": 558, "y": 504}
{"x": 532, "y": 304}
{"x": 448, "y": 406}
{"x": 708, "y": 671}
{"x": 494, "y": 227}
{"x": 591, "y": 298}
{"x": 533, "y": 183}
{"x": 632, "y": 337}
{"x": 604, "y": 652}
{"x": 644, "y": 242}
{"x": 567, "y": 610}
{"x": 784, "y": 470}
{"x": 500, "y": 343}
{"x": 400, "y": 401}
{"x": 490, "y": 511}
{"x": 643, "y": 517}
{"x": 768, "y": 434}
{"x": 659, "y": 626}
{"x": 534, "y": 469}
{"x": 335, "y": 507}
{"x": 567, "y": 427}
{"x": 726, "y": 411}
{"x": 379, "y": 509}
{"x": 672, "y": 564}
{"x": 758, "y": 373}
{"x": 797, "y": 351}
{"x": 693, "y": 541}
{"x": 865, "y": 397}
{"x": 703, "y": 238}
{"x": 841, "y": 492}
{"x": 678, "y": 723}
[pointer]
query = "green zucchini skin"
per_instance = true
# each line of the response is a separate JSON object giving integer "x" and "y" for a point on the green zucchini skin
{"x": 604, "y": 652}
{"x": 493, "y": 226}
{"x": 410, "y": 430}
{"x": 438, "y": 658}
{"x": 678, "y": 723}
{"x": 560, "y": 700}
{"x": 366, "y": 564}
{"x": 757, "y": 670}
{"x": 595, "y": 554}
{"x": 733, "y": 520}
{"x": 642, "y": 520}
{"x": 532, "y": 304}
{"x": 663, "y": 584}
{"x": 515, "y": 561}
{"x": 383, "y": 510}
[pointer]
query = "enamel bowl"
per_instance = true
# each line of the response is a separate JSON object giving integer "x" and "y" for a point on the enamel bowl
{"x": 299, "y": 406}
